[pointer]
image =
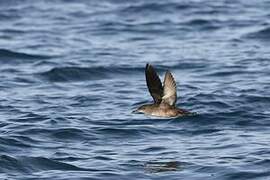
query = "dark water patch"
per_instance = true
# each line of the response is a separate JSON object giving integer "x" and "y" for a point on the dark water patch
{"x": 64, "y": 134}
{"x": 158, "y": 7}
{"x": 25, "y": 139}
{"x": 154, "y": 149}
{"x": 5, "y": 37}
{"x": 34, "y": 164}
{"x": 44, "y": 63}
{"x": 253, "y": 122}
{"x": 118, "y": 132}
{"x": 11, "y": 4}
{"x": 256, "y": 98}
{"x": 210, "y": 119}
{"x": 227, "y": 73}
{"x": 74, "y": 73}
{"x": 9, "y": 164}
{"x": 38, "y": 131}
{"x": 258, "y": 61}
{"x": 30, "y": 117}
{"x": 86, "y": 101}
{"x": 202, "y": 131}
{"x": 204, "y": 24}
{"x": 103, "y": 158}
{"x": 263, "y": 162}
{"x": 227, "y": 146}
{"x": 125, "y": 122}
{"x": 244, "y": 123}
{"x": 153, "y": 28}
{"x": 135, "y": 39}
{"x": 203, "y": 95}
{"x": 13, "y": 142}
{"x": 184, "y": 65}
{"x": 8, "y": 56}
{"x": 8, "y": 16}
{"x": 248, "y": 174}
{"x": 12, "y": 31}
{"x": 68, "y": 134}
{"x": 263, "y": 34}
{"x": 63, "y": 74}
{"x": 105, "y": 152}
{"x": 3, "y": 124}
{"x": 200, "y": 22}
{"x": 68, "y": 158}
{"x": 24, "y": 81}
{"x": 210, "y": 9}
{"x": 216, "y": 103}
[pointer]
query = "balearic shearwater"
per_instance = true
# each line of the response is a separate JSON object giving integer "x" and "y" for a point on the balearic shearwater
{"x": 164, "y": 96}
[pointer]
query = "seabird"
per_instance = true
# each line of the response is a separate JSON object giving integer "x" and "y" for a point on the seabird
{"x": 164, "y": 96}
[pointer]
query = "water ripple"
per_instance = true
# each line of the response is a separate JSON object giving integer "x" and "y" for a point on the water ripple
{"x": 73, "y": 71}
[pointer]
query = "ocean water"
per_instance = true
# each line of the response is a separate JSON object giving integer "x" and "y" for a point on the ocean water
{"x": 73, "y": 71}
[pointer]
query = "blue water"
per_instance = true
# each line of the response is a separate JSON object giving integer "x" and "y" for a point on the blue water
{"x": 72, "y": 72}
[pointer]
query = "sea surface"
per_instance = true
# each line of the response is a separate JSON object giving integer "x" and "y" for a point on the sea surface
{"x": 72, "y": 72}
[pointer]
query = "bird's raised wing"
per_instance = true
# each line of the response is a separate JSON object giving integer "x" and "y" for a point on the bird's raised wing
{"x": 169, "y": 90}
{"x": 153, "y": 83}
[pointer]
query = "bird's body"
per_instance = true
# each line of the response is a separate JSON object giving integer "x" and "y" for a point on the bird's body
{"x": 164, "y": 96}
{"x": 162, "y": 110}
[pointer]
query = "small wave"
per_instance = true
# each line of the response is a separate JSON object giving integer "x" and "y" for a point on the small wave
{"x": 227, "y": 73}
{"x": 247, "y": 174}
{"x": 204, "y": 24}
{"x": 199, "y": 22}
{"x": 6, "y": 141}
{"x": 9, "y": 164}
{"x": 30, "y": 117}
{"x": 154, "y": 149}
{"x": 7, "y": 55}
{"x": 157, "y": 7}
{"x": 68, "y": 133}
{"x": 63, "y": 74}
{"x": 153, "y": 7}
{"x": 74, "y": 73}
{"x": 256, "y": 98}
{"x": 116, "y": 132}
{"x": 190, "y": 64}
{"x": 4, "y": 16}
{"x": 12, "y": 31}
{"x": 59, "y": 133}
{"x": 263, "y": 34}
{"x": 33, "y": 164}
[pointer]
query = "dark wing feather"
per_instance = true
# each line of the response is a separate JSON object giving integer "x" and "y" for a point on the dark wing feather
{"x": 153, "y": 83}
{"x": 169, "y": 90}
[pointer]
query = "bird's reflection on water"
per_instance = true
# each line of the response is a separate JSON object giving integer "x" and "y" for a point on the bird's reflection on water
{"x": 156, "y": 166}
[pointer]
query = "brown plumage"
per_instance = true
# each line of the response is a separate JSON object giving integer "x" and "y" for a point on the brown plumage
{"x": 164, "y": 96}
